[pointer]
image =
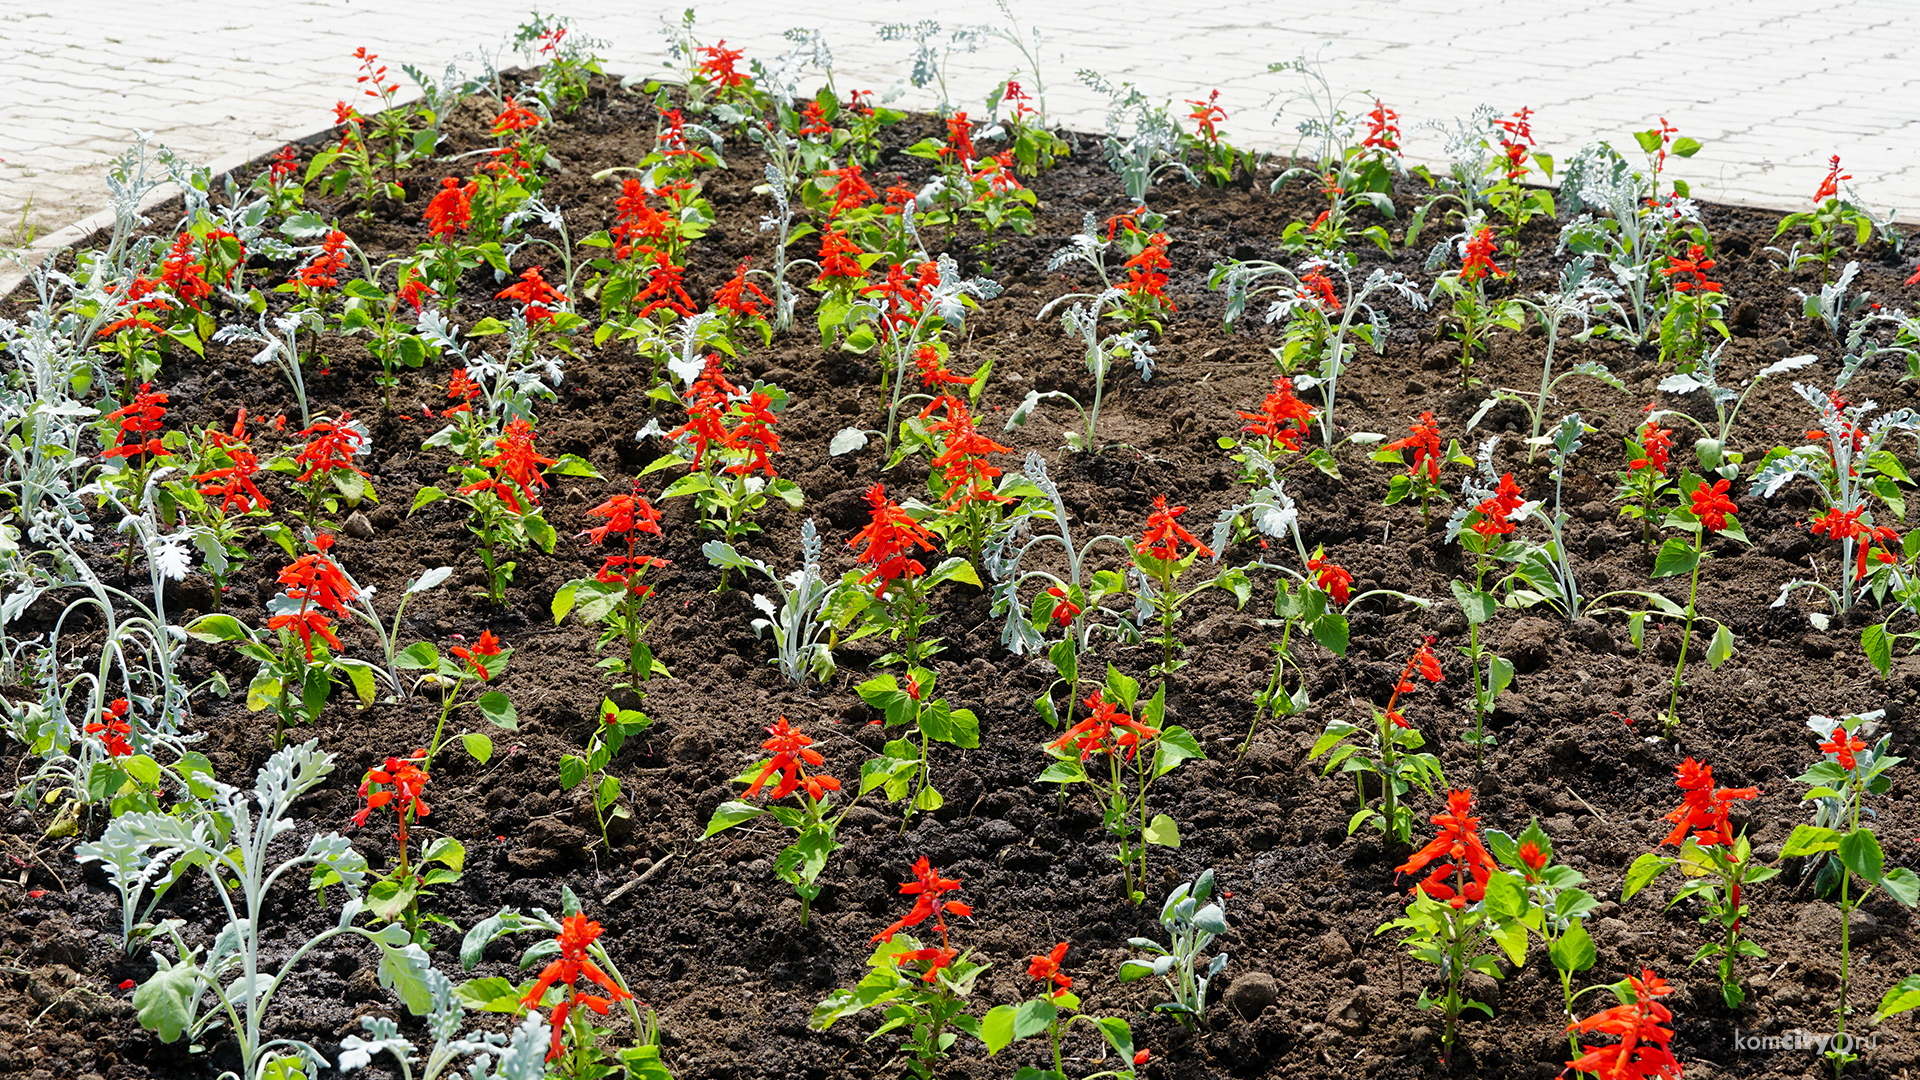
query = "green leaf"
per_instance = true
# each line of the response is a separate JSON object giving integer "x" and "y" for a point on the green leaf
{"x": 1642, "y": 872}
{"x": 215, "y": 628}
{"x": 478, "y": 747}
{"x": 144, "y": 770}
{"x": 539, "y": 531}
{"x": 1574, "y": 950}
{"x": 573, "y": 769}
{"x": 730, "y": 814}
{"x": 1721, "y": 647}
{"x": 164, "y": 1002}
{"x": 1685, "y": 146}
{"x": 1878, "y": 647}
{"x": 1512, "y": 937}
{"x": 1903, "y": 996}
{"x": 1032, "y": 1017}
{"x": 1162, "y": 831}
{"x": 996, "y": 1028}
{"x": 426, "y": 496}
{"x": 403, "y": 968}
{"x": 1330, "y": 630}
{"x": 491, "y": 994}
{"x": 1860, "y": 851}
{"x": 1479, "y": 606}
{"x": 446, "y": 851}
{"x": 499, "y": 711}
{"x": 1506, "y": 896}
{"x": 1809, "y": 840}
{"x": 1676, "y": 556}
{"x": 1903, "y": 885}
{"x": 417, "y": 656}
{"x": 1122, "y": 688}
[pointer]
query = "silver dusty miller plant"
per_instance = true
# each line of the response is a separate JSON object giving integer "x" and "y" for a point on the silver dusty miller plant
{"x": 230, "y": 982}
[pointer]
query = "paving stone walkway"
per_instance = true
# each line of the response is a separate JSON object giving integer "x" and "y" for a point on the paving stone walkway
{"x": 1772, "y": 87}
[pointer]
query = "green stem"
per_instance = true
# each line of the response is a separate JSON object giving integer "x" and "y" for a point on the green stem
{"x": 1686, "y": 635}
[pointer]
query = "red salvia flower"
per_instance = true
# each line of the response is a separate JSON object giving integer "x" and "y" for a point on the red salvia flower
{"x": 1711, "y": 505}
{"x": 1703, "y": 810}
{"x": 1641, "y": 1053}
{"x": 143, "y": 294}
{"x": 1147, "y": 273}
{"x": 997, "y": 171}
{"x": 1422, "y": 663}
{"x": 183, "y": 277}
{"x": 514, "y": 118}
{"x": 1047, "y": 970}
{"x": 716, "y": 65}
{"x": 1479, "y": 256}
{"x": 239, "y": 491}
{"x": 113, "y": 728}
{"x": 1842, "y": 745}
{"x": 1206, "y": 115}
{"x": 960, "y": 140}
{"x": 305, "y": 625}
{"x": 903, "y": 295}
{"x": 1457, "y": 842}
{"x": 840, "y": 257}
{"x": 664, "y": 288}
{"x": 413, "y": 291}
{"x": 965, "y": 471}
{"x": 451, "y": 209}
{"x": 332, "y": 445}
{"x": 283, "y": 164}
{"x": 314, "y": 578}
{"x": 1830, "y": 187}
{"x": 140, "y": 422}
{"x": 514, "y": 462}
{"x": 323, "y": 271}
{"x": 1532, "y": 858}
{"x": 888, "y": 540}
{"x": 462, "y": 389}
{"x": 850, "y": 190}
{"x": 813, "y": 120}
{"x": 1095, "y": 734}
{"x": 754, "y": 436}
{"x": 1282, "y": 419}
{"x": 1496, "y": 513}
{"x": 1330, "y": 578}
{"x": 625, "y": 515}
{"x": 487, "y": 646}
{"x": 1696, "y": 264}
{"x": 406, "y": 780}
{"x": 1318, "y": 289}
{"x": 738, "y": 294}
{"x": 1424, "y": 441}
{"x": 577, "y": 933}
{"x": 898, "y": 195}
{"x": 635, "y": 222}
{"x": 533, "y": 291}
{"x": 933, "y": 370}
{"x": 929, "y": 887}
{"x": 791, "y": 752}
{"x": 1164, "y": 534}
{"x": 1383, "y": 129}
{"x": 1655, "y": 444}
{"x": 1064, "y": 609}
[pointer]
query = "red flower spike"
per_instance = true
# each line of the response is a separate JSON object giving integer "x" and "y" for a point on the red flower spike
{"x": 1164, "y": 535}
{"x": 738, "y": 294}
{"x": 1330, "y": 578}
{"x": 451, "y": 209}
{"x": 929, "y": 886}
{"x": 140, "y": 422}
{"x": 1656, "y": 443}
{"x": 754, "y": 436}
{"x": 1703, "y": 810}
{"x": 406, "y": 780}
{"x": 1383, "y": 129}
{"x": 1642, "y": 1050}
{"x": 323, "y": 272}
{"x": 888, "y": 540}
{"x": 850, "y": 190}
{"x": 577, "y": 933}
{"x": 514, "y": 118}
{"x": 113, "y": 728}
{"x": 1695, "y": 264}
{"x": 1065, "y": 611}
{"x": 486, "y": 646}
{"x": 1457, "y": 843}
{"x": 332, "y": 445}
{"x": 716, "y": 65}
{"x": 1095, "y": 734}
{"x": 624, "y": 514}
{"x": 1842, "y": 745}
{"x": 1830, "y": 187}
{"x": 791, "y": 751}
{"x": 840, "y": 258}
{"x": 1711, "y": 505}
{"x": 1147, "y": 273}
{"x": 1047, "y": 970}
{"x": 1478, "y": 263}
{"x": 1424, "y": 441}
{"x": 533, "y": 291}
{"x": 1283, "y": 419}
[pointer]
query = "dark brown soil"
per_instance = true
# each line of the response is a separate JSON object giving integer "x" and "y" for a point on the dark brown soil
{"x": 712, "y": 938}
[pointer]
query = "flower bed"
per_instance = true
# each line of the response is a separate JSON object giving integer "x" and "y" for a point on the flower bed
{"x": 1318, "y": 591}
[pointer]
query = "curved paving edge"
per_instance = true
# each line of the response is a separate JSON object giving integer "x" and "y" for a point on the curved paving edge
{"x": 1772, "y": 88}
